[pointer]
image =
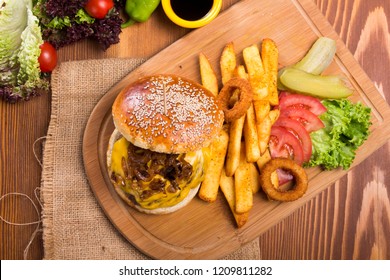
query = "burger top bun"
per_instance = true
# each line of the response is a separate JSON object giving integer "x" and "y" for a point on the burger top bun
{"x": 167, "y": 114}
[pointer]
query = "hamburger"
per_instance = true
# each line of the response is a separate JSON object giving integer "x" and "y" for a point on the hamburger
{"x": 157, "y": 154}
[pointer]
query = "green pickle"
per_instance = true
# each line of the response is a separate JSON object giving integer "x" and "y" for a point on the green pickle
{"x": 318, "y": 57}
{"x": 329, "y": 86}
{"x": 305, "y": 76}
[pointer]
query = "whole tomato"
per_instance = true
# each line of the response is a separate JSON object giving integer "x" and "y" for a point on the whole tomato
{"x": 48, "y": 57}
{"x": 98, "y": 8}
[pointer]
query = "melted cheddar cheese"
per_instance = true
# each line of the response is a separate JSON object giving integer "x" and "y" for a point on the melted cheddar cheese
{"x": 199, "y": 160}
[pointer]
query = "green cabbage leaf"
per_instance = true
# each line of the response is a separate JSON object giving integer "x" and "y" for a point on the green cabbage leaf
{"x": 20, "y": 75}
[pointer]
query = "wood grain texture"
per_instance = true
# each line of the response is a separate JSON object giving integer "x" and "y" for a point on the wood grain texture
{"x": 350, "y": 220}
{"x": 181, "y": 58}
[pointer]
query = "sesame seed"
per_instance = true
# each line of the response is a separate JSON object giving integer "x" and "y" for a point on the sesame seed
{"x": 173, "y": 108}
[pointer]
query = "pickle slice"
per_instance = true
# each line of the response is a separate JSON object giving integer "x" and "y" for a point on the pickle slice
{"x": 318, "y": 57}
{"x": 330, "y": 86}
{"x": 316, "y": 60}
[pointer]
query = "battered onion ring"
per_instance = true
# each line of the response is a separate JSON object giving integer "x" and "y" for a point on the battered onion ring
{"x": 242, "y": 104}
{"x": 301, "y": 181}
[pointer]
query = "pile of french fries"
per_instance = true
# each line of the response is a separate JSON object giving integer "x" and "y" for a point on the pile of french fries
{"x": 241, "y": 149}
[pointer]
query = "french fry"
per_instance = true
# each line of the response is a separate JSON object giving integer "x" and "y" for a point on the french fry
{"x": 207, "y": 74}
{"x": 239, "y": 71}
{"x": 254, "y": 177}
{"x": 251, "y": 137}
{"x": 263, "y": 159}
{"x": 270, "y": 56}
{"x": 274, "y": 115}
{"x": 254, "y": 66}
{"x": 228, "y": 62}
{"x": 227, "y": 187}
{"x": 243, "y": 184}
{"x": 265, "y": 118}
{"x": 262, "y": 109}
{"x": 234, "y": 147}
{"x": 250, "y": 130}
{"x": 263, "y": 123}
{"x": 210, "y": 185}
{"x": 253, "y": 173}
{"x": 264, "y": 132}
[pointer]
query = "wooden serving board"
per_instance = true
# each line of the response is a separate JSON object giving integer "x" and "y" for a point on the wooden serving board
{"x": 207, "y": 230}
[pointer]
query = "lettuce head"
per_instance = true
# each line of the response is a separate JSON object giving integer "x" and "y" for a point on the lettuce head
{"x": 20, "y": 75}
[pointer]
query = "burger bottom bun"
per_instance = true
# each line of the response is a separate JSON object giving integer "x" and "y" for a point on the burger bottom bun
{"x": 164, "y": 210}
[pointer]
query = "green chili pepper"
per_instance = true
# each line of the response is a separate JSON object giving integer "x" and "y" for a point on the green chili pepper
{"x": 139, "y": 10}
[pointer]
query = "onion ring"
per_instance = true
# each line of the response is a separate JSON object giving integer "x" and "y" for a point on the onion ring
{"x": 242, "y": 104}
{"x": 273, "y": 193}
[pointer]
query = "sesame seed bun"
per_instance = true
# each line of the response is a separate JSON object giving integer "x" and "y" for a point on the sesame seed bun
{"x": 164, "y": 114}
{"x": 167, "y": 114}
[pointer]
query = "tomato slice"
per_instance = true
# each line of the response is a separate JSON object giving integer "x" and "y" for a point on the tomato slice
{"x": 310, "y": 121}
{"x": 299, "y": 131}
{"x": 310, "y": 103}
{"x": 283, "y": 144}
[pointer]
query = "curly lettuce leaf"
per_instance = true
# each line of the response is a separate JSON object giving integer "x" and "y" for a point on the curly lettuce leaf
{"x": 20, "y": 75}
{"x": 80, "y": 18}
{"x": 66, "y": 22}
{"x": 346, "y": 128}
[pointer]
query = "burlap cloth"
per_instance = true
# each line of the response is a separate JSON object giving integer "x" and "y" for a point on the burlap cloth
{"x": 74, "y": 225}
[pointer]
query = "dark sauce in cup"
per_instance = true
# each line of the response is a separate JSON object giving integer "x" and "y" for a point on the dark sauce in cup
{"x": 191, "y": 9}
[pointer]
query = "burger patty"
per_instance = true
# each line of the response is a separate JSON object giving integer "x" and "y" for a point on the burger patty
{"x": 149, "y": 171}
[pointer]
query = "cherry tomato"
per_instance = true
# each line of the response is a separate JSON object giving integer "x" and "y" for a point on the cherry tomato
{"x": 310, "y": 103}
{"x": 299, "y": 131}
{"x": 283, "y": 144}
{"x": 98, "y": 8}
{"x": 48, "y": 57}
{"x": 309, "y": 120}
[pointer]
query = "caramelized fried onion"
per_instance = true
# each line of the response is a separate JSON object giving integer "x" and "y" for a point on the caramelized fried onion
{"x": 142, "y": 166}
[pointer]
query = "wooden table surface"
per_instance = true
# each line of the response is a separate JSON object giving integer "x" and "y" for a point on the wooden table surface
{"x": 350, "y": 220}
